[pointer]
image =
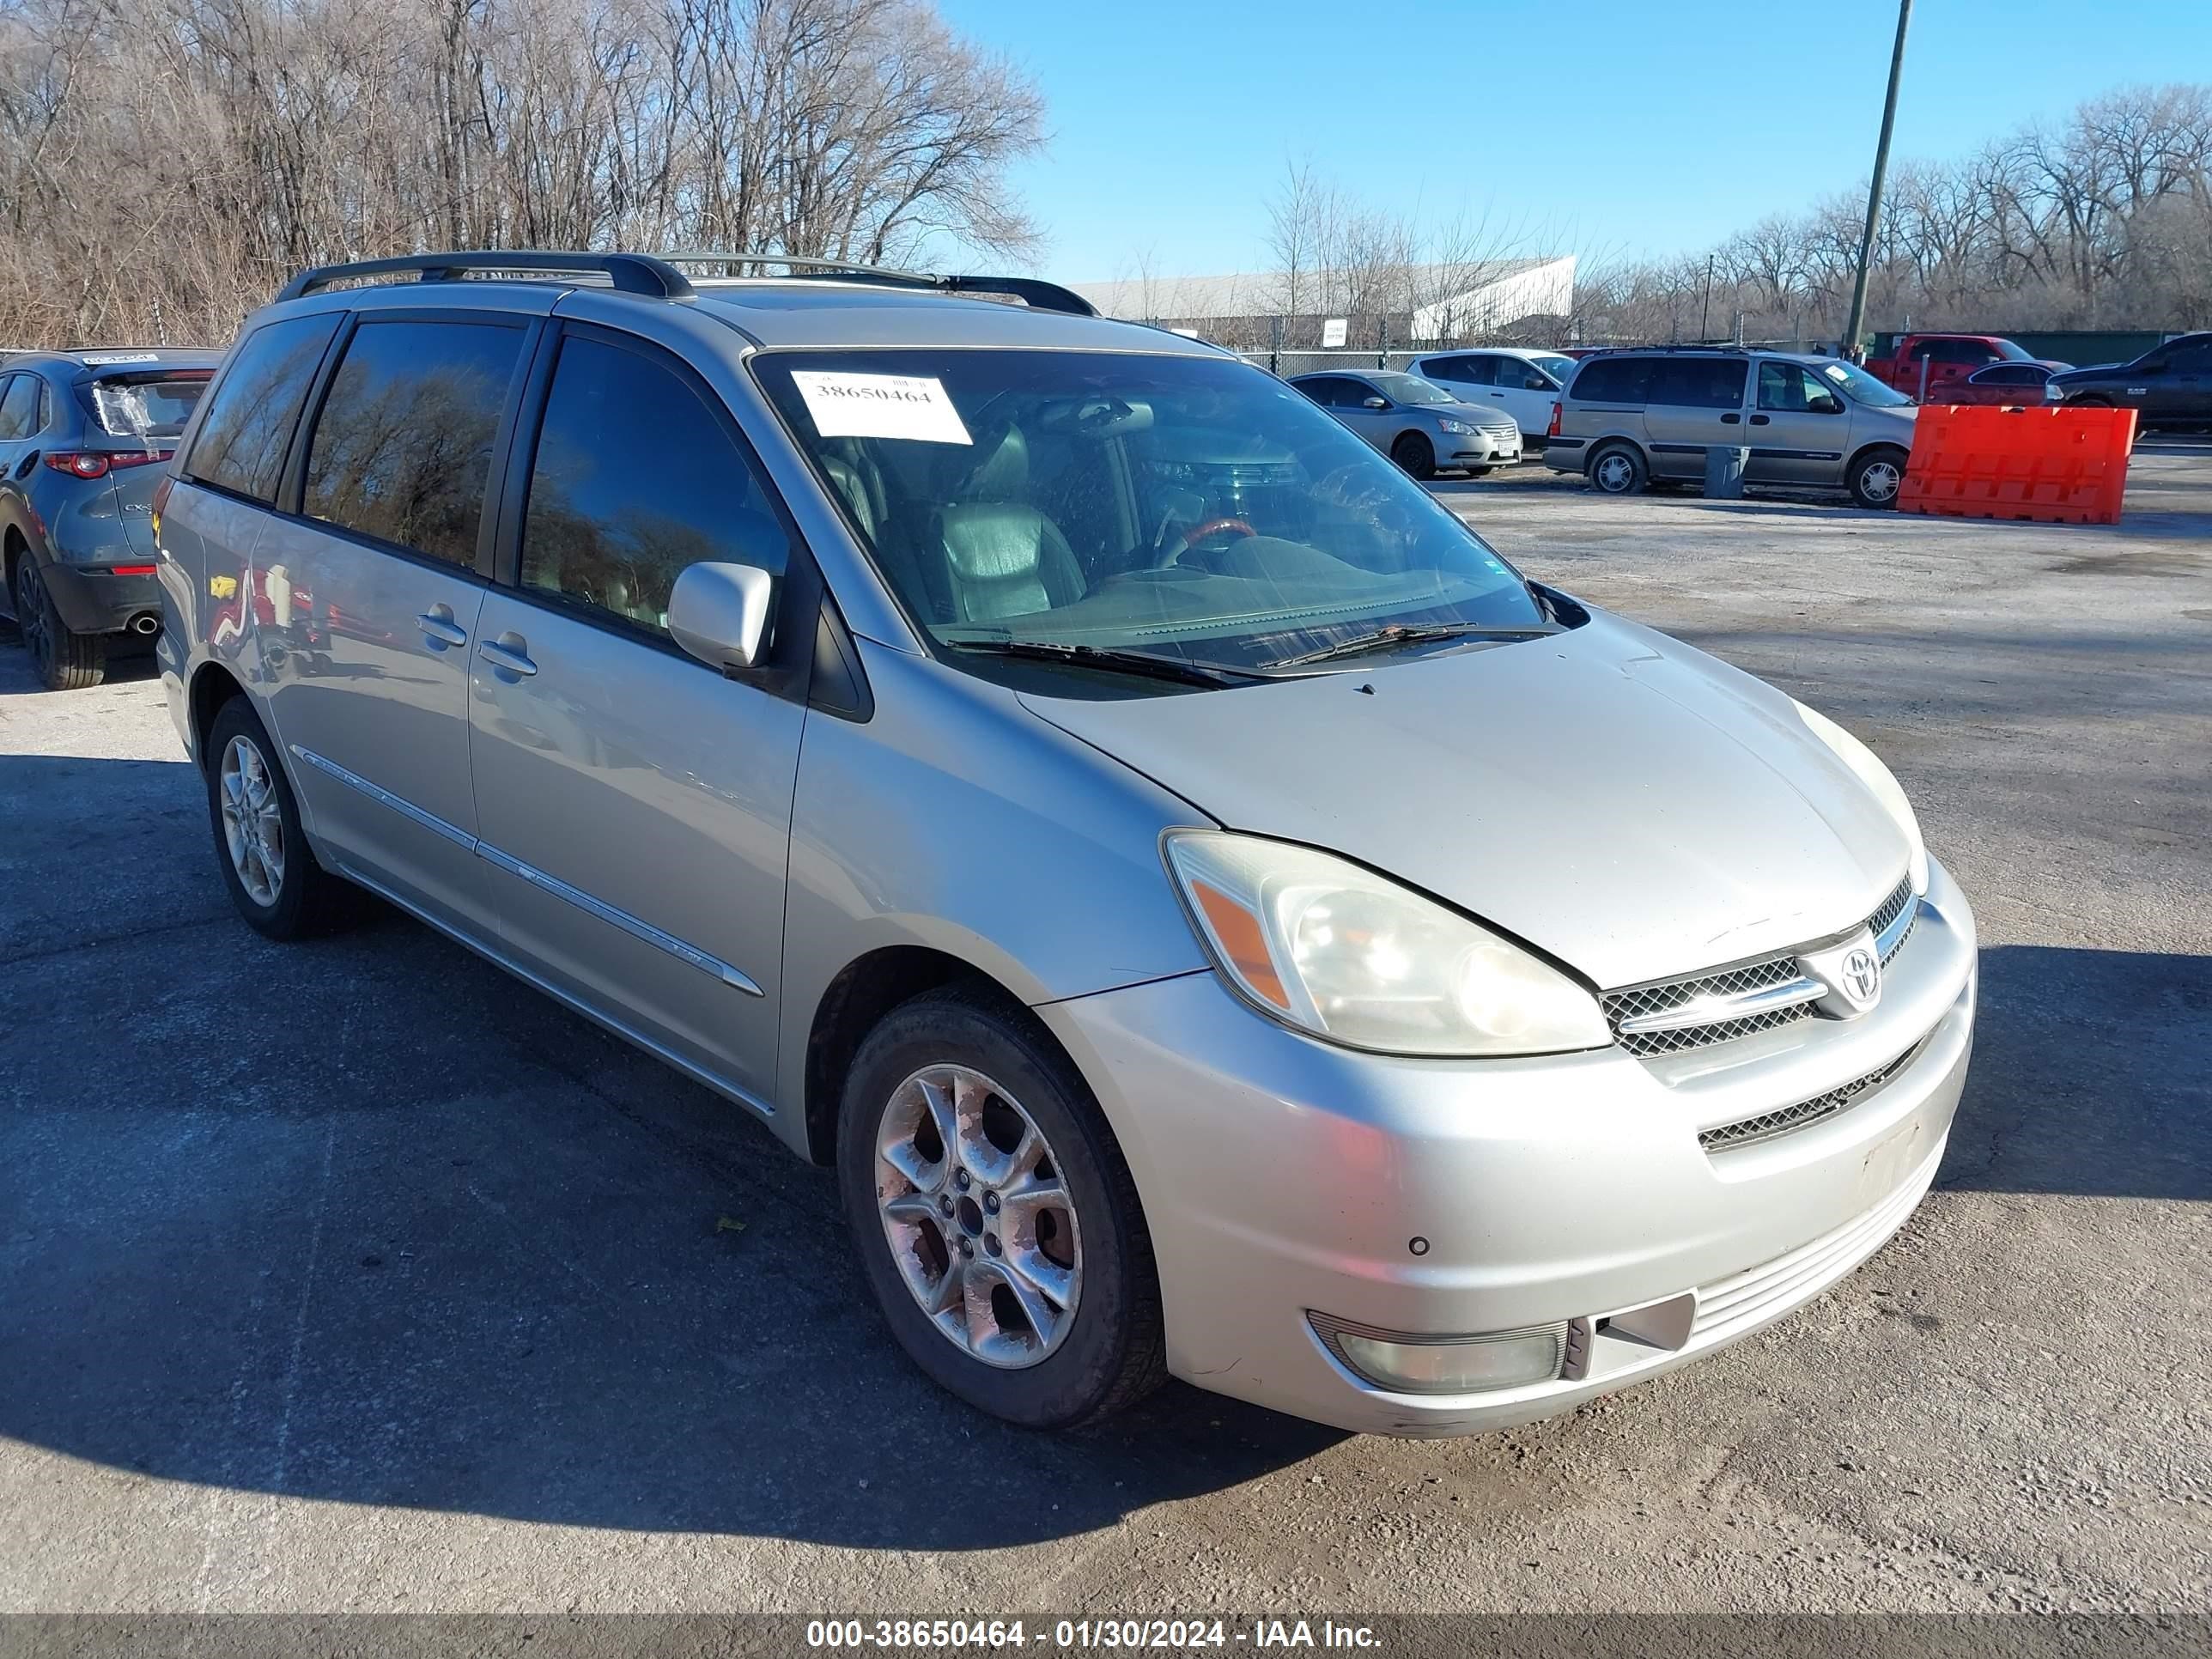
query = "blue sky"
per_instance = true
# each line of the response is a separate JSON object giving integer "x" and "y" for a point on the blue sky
{"x": 1622, "y": 127}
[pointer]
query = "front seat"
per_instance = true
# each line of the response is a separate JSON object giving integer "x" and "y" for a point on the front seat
{"x": 1002, "y": 557}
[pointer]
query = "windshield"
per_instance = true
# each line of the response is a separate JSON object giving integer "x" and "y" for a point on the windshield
{"x": 146, "y": 408}
{"x": 1860, "y": 386}
{"x": 2011, "y": 353}
{"x": 1557, "y": 367}
{"x": 1410, "y": 389}
{"x": 1191, "y": 506}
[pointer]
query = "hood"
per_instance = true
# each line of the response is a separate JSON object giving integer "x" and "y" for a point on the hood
{"x": 1628, "y": 804}
{"x": 2066, "y": 376}
{"x": 1473, "y": 414}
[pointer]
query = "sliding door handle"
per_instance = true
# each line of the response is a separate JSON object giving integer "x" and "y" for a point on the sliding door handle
{"x": 439, "y": 627}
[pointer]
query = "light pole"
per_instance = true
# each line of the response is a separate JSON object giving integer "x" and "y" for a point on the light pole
{"x": 1857, "y": 319}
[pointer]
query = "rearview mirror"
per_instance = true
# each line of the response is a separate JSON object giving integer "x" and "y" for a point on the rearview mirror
{"x": 1375, "y": 402}
{"x": 720, "y": 612}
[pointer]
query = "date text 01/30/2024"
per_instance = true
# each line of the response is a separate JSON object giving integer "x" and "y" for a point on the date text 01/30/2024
{"x": 1118, "y": 1633}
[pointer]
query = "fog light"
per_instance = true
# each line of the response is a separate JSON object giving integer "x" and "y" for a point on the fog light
{"x": 1408, "y": 1363}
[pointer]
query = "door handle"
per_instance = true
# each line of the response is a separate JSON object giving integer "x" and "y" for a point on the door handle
{"x": 439, "y": 627}
{"x": 1498, "y": 394}
{"x": 1731, "y": 419}
{"x": 509, "y": 654}
{"x": 1762, "y": 419}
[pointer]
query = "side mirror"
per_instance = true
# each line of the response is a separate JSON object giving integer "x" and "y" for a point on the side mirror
{"x": 720, "y": 612}
{"x": 1536, "y": 383}
{"x": 1826, "y": 404}
{"x": 1375, "y": 402}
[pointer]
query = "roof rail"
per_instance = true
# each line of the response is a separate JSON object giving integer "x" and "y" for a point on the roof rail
{"x": 630, "y": 273}
{"x": 1031, "y": 291}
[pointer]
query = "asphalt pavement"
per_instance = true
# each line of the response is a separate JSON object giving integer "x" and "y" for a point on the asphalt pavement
{"x": 356, "y": 1276}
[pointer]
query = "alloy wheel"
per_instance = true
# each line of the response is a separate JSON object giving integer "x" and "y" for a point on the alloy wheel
{"x": 31, "y": 612}
{"x": 981, "y": 1225}
{"x": 252, "y": 824}
{"x": 1880, "y": 481}
{"x": 1613, "y": 473}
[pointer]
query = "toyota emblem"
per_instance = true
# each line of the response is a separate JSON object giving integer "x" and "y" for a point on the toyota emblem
{"x": 1862, "y": 976}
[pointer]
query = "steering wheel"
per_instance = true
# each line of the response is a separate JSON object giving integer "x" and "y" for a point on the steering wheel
{"x": 1197, "y": 533}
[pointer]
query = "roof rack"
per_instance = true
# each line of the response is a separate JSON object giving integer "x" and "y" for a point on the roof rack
{"x": 1037, "y": 294}
{"x": 630, "y": 273}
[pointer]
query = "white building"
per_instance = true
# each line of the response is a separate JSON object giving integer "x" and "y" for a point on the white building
{"x": 1440, "y": 301}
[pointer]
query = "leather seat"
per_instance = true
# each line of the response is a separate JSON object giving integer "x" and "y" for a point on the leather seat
{"x": 1002, "y": 557}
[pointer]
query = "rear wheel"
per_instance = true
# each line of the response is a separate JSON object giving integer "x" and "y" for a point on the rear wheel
{"x": 66, "y": 661}
{"x": 1876, "y": 477}
{"x": 995, "y": 1218}
{"x": 1416, "y": 454}
{"x": 1617, "y": 470}
{"x": 272, "y": 875}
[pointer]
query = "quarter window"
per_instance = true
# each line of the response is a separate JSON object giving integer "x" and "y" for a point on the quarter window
{"x": 1615, "y": 380}
{"x": 635, "y": 478}
{"x": 252, "y": 409}
{"x": 402, "y": 450}
{"x": 18, "y": 407}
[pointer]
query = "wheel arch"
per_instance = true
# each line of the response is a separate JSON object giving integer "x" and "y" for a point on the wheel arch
{"x": 212, "y": 686}
{"x": 862, "y": 992}
{"x": 1613, "y": 441}
{"x": 1852, "y": 461}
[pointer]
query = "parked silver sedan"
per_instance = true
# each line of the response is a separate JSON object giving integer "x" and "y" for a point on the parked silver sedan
{"x": 1417, "y": 423}
{"x": 1216, "y": 916}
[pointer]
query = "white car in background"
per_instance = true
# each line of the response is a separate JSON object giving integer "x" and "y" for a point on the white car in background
{"x": 1525, "y": 383}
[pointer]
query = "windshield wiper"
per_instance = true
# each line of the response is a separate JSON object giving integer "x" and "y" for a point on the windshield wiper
{"x": 1153, "y": 665}
{"x": 1398, "y": 634}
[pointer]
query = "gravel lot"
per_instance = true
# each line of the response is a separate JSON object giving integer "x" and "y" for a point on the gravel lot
{"x": 357, "y": 1277}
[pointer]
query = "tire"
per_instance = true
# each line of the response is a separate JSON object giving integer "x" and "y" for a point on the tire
{"x": 1617, "y": 470}
{"x": 65, "y": 660}
{"x": 290, "y": 894}
{"x": 2092, "y": 401}
{"x": 1480, "y": 471}
{"x": 1104, "y": 1348}
{"x": 1875, "y": 476}
{"x": 1416, "y": 454}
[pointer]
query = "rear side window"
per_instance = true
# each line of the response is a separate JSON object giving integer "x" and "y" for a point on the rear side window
{"x": 402, "y": 450}
{"x": 635, "y": 478}
{"x": 1698, "y": 382}
{"x": 18, "y": 407}
{"x": 1615, "y": 380}
{"x": 252, "y": 411}
{"x": 1467, "y": 370}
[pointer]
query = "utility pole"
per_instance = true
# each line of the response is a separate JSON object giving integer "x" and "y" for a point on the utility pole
{"x": 1850, "y": 343}
{"x": 1705, "y": 319}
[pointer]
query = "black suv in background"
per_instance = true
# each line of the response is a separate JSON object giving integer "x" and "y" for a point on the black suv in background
{"x": 2170, "y": 384}
{"x": 83, "y": 435}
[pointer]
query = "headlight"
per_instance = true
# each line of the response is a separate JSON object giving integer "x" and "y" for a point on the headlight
{"x": 1460, "y": 428}
{"x": 1876, "y": 777}
{"x": 1321, "y": 944}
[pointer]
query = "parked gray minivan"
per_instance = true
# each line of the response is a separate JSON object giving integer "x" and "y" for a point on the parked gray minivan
{"x": 1214, "y": 914}
{"x": 1633, "y": 416}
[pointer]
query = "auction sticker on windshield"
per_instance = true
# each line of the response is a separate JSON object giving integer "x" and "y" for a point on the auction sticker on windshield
{"x": 880, "y": 406}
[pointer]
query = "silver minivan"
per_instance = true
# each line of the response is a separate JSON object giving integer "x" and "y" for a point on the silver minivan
{"x": 1216, "y": 916}
{"x": 1633, "y": 416}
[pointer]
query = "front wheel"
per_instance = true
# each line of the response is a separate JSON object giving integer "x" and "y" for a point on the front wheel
{"x": 65, "y": 660}
{"x": 1876, "y": 477}
{"x": 1416, "y": 454}
{"x": 997, "y": 1223}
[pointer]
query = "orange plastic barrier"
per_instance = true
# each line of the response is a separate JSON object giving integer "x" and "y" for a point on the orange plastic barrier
{"x": 2059, "y": 465}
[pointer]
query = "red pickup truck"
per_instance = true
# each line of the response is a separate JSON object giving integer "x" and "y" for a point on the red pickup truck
{"x": 1924, "y": 365}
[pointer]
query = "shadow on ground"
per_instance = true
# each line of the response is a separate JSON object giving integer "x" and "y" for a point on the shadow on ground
{"x": 364, "y": 1220}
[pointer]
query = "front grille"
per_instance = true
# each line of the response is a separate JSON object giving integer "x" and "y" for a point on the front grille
{"x": 1768, "y": 1124}
{"x": 1662, "y": 996}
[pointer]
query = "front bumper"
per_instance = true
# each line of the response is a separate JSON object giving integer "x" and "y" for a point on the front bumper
{"x": 1482, "y": 449}
{"x": 1281, "y": 1176}
{"x": 93, "y": 599}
